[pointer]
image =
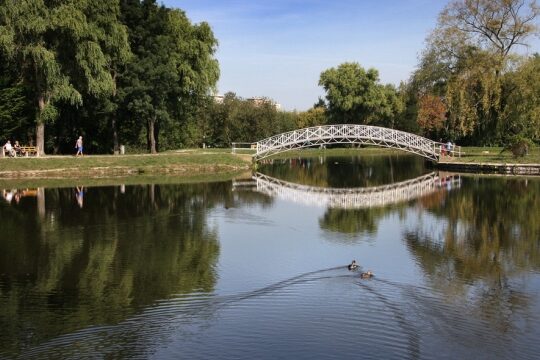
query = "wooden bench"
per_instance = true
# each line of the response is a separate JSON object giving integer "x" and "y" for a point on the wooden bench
{"x": 22, "y": 150}
{"x": 28, "y": 150}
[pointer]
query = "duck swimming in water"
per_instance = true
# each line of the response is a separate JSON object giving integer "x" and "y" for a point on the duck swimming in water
{"x": 366, "y": 275}
{"x": 353, "y": 265}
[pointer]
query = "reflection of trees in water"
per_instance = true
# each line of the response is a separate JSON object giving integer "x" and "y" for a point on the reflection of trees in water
{"x": 346, "y": 171}
{"x": 97, "y": 265}
{"x": 492, "y": 233}
{"x": 491, "y": 224}
{"x": 349, "y": 171}
{"x": 355, "y": 221}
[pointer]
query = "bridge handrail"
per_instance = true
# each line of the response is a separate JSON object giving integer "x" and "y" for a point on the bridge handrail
{"x": 354, "y": 133}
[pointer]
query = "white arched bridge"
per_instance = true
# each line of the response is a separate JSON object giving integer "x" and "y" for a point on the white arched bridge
{"x": 351, "y": 134}
{"x": 351, "y": 198}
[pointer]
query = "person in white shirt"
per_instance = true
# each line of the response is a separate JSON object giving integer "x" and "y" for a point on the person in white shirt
{"x": 9, "y": 149}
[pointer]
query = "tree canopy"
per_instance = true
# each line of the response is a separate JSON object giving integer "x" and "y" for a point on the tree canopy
{"x": 141, "y": 74}
{"x": 469, "y": 59}
{"x": 354, "y": 95}
{"x": 57, "y": 50}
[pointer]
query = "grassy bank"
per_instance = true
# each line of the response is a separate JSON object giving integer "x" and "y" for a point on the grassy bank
{"x": 183, "y": 163}
{"x": 316, "y": 152}
{"x": 493, "y": 155}
{"x": 204, "y": 163}
{"x": 8, "y": 183}
{"x": 469, "y": 154}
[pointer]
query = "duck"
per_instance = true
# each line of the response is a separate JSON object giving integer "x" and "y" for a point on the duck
{"x": 366, "y": 275}
{"x": 353, "y": 265}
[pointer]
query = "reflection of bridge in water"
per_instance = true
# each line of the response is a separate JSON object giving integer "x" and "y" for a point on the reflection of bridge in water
{"x": 350, "y": 198}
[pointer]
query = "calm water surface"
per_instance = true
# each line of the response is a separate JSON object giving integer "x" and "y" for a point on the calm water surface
{"x": 256, "y": 269}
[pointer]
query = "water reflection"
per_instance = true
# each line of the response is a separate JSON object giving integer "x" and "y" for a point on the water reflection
{"x": 79, "y": 195}
{"x": 15, "y": 195}
{"x": 490, "y": 237}
{"x": 346, "y": 171}
{"x": 351, "y": 198}
{"x": 210, "y": 270}
{"x": 78, "y": 266}
{"x": 491, "y": 227}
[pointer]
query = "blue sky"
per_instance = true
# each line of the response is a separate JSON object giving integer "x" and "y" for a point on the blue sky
{"x": 278, "y": 48}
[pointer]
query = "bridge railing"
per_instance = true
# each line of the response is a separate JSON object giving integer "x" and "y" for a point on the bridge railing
{"x": 348, "y": 133}
{"x": 443, "y": 150}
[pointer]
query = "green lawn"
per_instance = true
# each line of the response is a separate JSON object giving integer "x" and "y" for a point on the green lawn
{"x": 192, "y": 161}
{"x": 493, "y": 155}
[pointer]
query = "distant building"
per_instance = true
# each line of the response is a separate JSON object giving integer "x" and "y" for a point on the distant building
{"x": 219, "y": 99}
{"x": 258, "y": 101}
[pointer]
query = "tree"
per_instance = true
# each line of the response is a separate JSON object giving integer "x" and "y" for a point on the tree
{"x": 431, "y": 114}
{"x": 468, "y": 53}
{"x": 113, "y": 38}
{"x": 56, "y": 48}
{"x": 313, "y": 117}
{"x": 406, "y": 118}
{"x": 173, "y": 68}
{"x": 499, "y": 25}
{"x": 522, "y": 107}
{"x": 355, "y": 95}
{"x": 15, "y": 109}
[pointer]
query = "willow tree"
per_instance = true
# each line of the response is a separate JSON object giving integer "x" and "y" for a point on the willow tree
{"x": 112, "y": 36}
{"x": 56, "y": 48}
{"x": 472, "y": 47}
{"x": 522, "y": 107}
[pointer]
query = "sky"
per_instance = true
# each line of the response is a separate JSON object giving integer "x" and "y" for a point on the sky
{"x": 278, "y": 48}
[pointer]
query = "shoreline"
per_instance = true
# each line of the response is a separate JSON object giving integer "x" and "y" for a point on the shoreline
{"x": 201, "y": 163}
{"x": 121, "y": 171}
{"x": 490, "y": 168}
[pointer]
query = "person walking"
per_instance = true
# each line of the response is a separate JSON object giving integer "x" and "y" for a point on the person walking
{"x": 79, "y": 146}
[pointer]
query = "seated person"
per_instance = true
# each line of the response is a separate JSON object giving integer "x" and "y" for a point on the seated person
{"x": 9, "y": 149}
{"x": 17, "y": 148}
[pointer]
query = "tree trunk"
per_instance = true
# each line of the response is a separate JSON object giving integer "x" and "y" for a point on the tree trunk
{"x": 116, "y": 146}
{"x": 40, "y": 127}
{"x": 151, "y": 137}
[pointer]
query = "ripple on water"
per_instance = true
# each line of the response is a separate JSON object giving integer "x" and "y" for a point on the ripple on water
{"x": 329, "y": 312}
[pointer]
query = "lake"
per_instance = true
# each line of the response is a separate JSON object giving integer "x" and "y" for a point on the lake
{"x": 256, "y": 267}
